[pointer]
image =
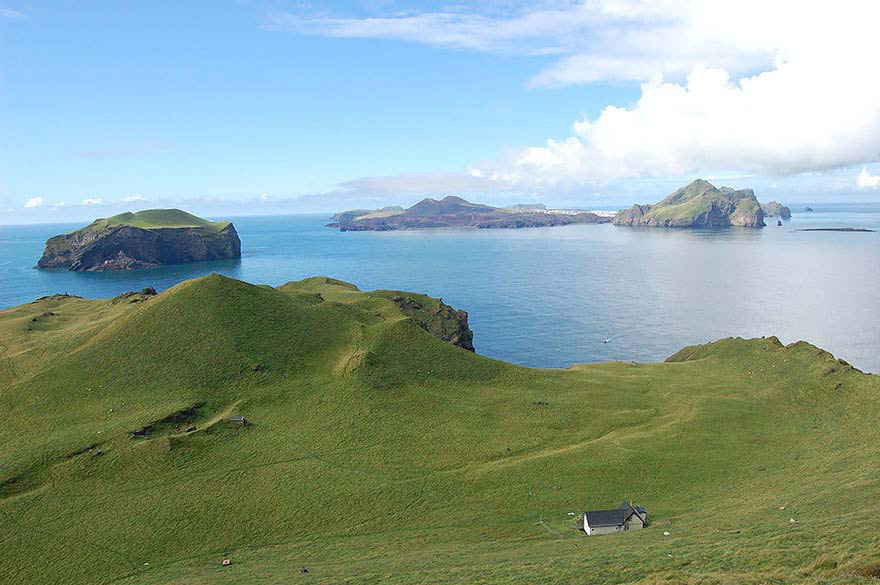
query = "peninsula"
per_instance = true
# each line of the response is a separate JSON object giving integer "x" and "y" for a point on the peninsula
{"x": 141, "y": 240}
{"x": 221, "y": 432}
{"x": 456, "y": 212}
{"x": 699, "y": 204}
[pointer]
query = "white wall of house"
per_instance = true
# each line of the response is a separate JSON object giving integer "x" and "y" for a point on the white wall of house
{"x": 633, "y": 523}
{"x": 591, "y": 530}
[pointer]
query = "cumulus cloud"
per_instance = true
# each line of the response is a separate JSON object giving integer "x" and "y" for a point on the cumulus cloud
{"x": 95, "y": 201}
{"x": 34, "y": 202}
{"x": 772, "y": 88}
{"x": 133, "y": 198}
{"x": 775, "y": 123}
{"x": 866, "y": 180}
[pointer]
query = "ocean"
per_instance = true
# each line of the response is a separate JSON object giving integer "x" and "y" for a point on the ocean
{"x": 551, "y": 297}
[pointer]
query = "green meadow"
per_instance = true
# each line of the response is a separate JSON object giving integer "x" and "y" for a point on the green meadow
{"x": 378, "y": 453}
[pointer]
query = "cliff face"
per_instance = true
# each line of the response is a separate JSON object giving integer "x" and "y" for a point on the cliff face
{"x": 125, "y": 247}
{"x": 700, "y": 204}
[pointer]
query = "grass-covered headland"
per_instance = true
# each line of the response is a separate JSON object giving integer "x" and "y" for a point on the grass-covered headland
{"x": 379, "y": 453}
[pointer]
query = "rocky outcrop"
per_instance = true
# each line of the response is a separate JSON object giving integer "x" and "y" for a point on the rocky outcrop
{"x": 439, "y": 319}
{"x": 124, "y": 247}
{"x": 776, "y": 209}
{"x": 700, "y": 204}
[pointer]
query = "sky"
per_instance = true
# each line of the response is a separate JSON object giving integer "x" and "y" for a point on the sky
{"x": 270, "y": 106}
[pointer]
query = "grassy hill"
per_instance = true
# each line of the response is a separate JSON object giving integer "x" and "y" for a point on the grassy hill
{"x": 156, "y": 218}
{"x": 380, "y": 454}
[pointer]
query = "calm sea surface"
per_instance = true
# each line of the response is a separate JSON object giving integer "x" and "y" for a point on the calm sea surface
{"x": 549, "y": 297}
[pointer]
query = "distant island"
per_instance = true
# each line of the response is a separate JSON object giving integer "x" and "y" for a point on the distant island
{"x": 700, "y": 204}
{"x": 141, "y": 240}
{"x": 776, "y": 209}
{"x": 834, "y": 229}
{"x": 456, "y": 212}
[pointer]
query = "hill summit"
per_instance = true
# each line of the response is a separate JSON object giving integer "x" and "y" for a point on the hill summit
{"x": 699, "y": 204}
{"x": 141, "y": 240}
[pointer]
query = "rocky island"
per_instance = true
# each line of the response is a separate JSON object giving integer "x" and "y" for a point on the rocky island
{"x": 141, "y": 240}
{"x": 700, "y": 204}
{"x": 776, "y": 209}
{"x": 456, "y": 212}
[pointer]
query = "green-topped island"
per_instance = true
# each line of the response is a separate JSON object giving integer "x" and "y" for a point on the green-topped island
{"x": 142, "y": 240}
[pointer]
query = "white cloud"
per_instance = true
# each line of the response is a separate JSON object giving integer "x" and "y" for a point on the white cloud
{"x": 9, "y": 13}
{"x": 133, "y": 198}
{"x": 773, "y": 88}
{"x": 34, "y": 202}
{"x": 781, "y": 122}
{"x": 595, "y": 39}
{"x": 95, "y": 201}
{"x": 264, "y": 197}
{"x": 866, "y": 180}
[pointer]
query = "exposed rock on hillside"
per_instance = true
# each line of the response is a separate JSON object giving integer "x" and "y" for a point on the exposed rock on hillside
{"x": 141, "y": 240}
{"x": 700, "y": 204}
{"x": 445, "y": 322}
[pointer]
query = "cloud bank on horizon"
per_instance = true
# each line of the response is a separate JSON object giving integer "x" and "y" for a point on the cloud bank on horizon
{"x": 768, "y": 88}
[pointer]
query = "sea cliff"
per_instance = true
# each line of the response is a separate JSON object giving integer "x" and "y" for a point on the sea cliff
{"x": 141, "y": 240}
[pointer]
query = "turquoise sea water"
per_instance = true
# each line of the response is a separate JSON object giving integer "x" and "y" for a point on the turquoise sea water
{"x": 550, "y": 297}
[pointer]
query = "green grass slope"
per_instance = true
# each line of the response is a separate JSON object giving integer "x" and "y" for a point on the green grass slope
{"x": 381, "y": 454}
{"x": 156, "y": 218}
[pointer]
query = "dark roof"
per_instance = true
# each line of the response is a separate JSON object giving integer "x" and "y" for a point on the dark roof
{"x": 615, "y": 517}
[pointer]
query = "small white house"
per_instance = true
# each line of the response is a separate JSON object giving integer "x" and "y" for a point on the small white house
{"x": 624, "y": 517}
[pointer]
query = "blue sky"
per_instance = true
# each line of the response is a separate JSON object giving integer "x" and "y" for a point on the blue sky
{"x": 263, "y": 107}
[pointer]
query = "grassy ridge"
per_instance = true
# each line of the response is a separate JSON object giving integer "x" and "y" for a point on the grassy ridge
{"x": 379, "y": 453}
{"x": 155, "y": 219}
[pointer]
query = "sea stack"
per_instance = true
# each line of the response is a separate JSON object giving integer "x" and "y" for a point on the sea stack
{"x": 141, "y": 240}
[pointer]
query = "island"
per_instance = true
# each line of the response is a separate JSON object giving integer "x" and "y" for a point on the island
{"x": 145, "y": 239}
{"x": 699, "y": 204}
{"x": 808, "y": 209}
{"x": 454, "y": 211}
{"x": 776, "y": 209}
{"x": 836, "y": 229}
